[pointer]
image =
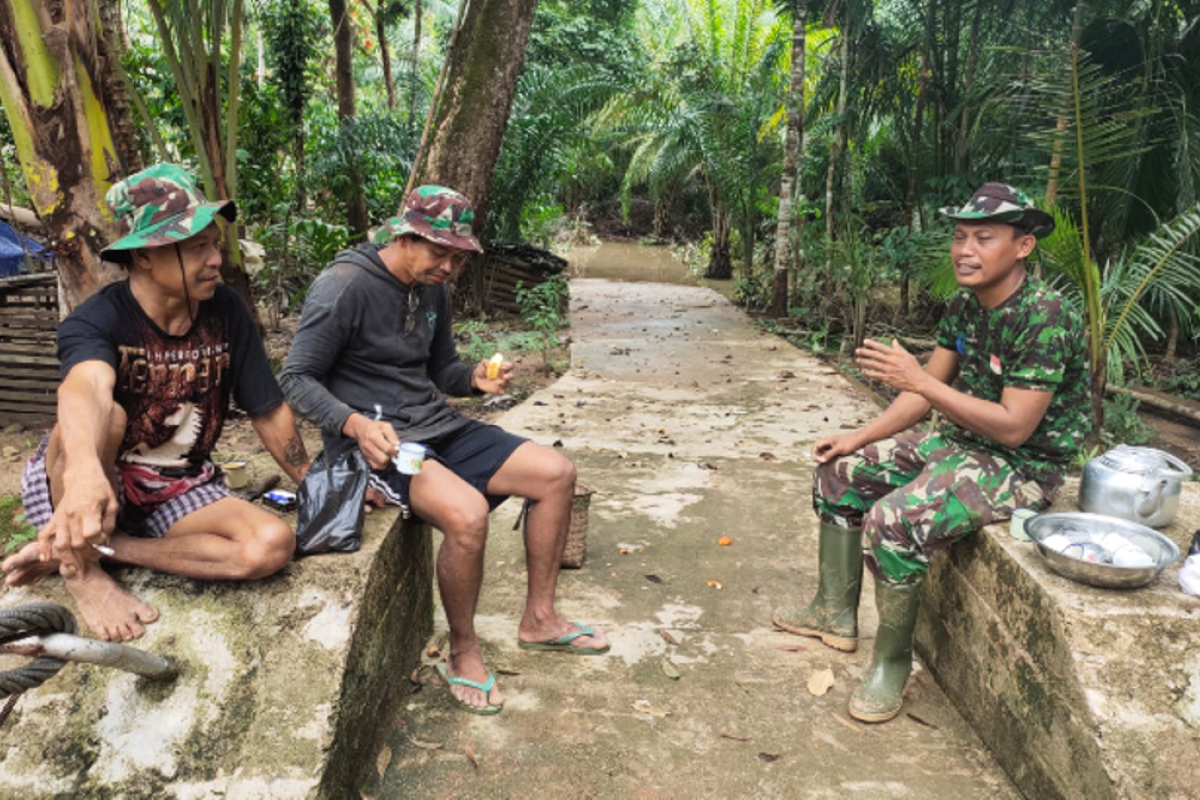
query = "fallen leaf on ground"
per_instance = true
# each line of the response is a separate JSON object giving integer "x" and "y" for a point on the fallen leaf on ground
{"x": 716, "y": 584}
{"x": 792, "y": 648}
{"x": 786, "y": 374}
{"x": 820, "y": 682}
{"x": 768, "y": 757}
{"x": 670, "y": 670}
{"x": 433, "y": 651}
{"x": 668, "y": 638}
{"x": 848, "y": 723}
{"x": 920, "y": 721}
{"x": 735, "y": 738}
{"x": 426, "y": 745}
{"x": 469, "y": 752}
{"x": 766, "y": 456}
{"x": 645, "y": 707}
{"x": 504, "y": 671}
{"x": 724, "y": 541}
{"x": 653, "y": 578}
{"x": 382, "y": 760}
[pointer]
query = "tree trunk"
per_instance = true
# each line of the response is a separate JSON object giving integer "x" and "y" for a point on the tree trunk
{"x": 62, "y": 131}
{"x": 470, "y": 112}
{"x": 343, "y": 41}
{"x": 414, "y": 84}
{"x": 835, "y": 148}
{"x": 720, "y": 264}
{"x": 1060, "y": 129}
{"x": 793, "y": 146}
{"x": 114, "y": 87}
{"x": 385, "y": 55}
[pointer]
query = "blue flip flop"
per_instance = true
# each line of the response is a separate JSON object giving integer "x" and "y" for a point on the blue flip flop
{"x": 484, "y": 687}
{"x": 566, "y": 643}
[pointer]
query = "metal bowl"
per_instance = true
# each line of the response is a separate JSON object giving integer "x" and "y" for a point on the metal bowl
{"x": 1108, "y": 576}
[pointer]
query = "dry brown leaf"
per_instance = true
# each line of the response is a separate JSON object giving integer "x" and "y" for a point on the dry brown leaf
{"x": 383, "y": 759}
{"x": 433, "y": 651}
{"x": 768, "y": 757}
{"x": 848, "y": 723}
{"x": 793, "y": 648}
{"x": 735, "y": 738}
{"x": 920, "y": 721}
{"x": 506, "y": 671}
{"x": 426, "y": 745}
{"x": 716, "y": 584}
{"x": 469, "y": 752}
{"x": 820, "y": 682}
{"x": 668, "y": 638}
{"x": 766, "y": 456}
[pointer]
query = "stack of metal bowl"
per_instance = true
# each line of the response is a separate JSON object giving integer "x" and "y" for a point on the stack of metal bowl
{"x": 1086, "y": 532}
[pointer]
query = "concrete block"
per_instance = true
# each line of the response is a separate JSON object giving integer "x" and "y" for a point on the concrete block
{"x": 1078, "y": 691}
{"x": 286, "y": 684}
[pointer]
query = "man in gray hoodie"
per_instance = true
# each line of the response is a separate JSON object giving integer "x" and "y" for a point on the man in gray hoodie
{"x": 372, "y": 360}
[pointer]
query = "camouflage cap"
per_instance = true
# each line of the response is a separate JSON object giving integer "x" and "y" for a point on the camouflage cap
{"x": 1000, "y": 202}
{"x": 438, "y": 214}
{"x": 159, "y": 205}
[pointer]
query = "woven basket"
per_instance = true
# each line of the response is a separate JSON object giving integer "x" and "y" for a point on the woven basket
{"x": 577, "y": 535}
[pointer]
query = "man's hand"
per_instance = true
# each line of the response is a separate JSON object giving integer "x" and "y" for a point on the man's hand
{"x": 497, "y": 385}
{"x": 376, "y": 439}
{"x": 85, "y": 516}
{"x": 831, "y": 447}
{"x": 893, "y": 365}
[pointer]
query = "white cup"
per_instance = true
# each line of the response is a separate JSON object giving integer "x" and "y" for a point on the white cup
{"x": 410, "y": 458}
{"x": 1016, "y": 526}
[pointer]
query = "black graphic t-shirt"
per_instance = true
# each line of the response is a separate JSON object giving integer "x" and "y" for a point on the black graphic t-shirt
{"x": 175, "y": 390}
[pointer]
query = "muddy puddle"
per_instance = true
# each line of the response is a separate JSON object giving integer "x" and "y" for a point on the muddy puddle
{"x": 630, "y": 261}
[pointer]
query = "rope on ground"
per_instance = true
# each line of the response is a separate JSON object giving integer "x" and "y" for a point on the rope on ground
{"x": 30, "y": 620}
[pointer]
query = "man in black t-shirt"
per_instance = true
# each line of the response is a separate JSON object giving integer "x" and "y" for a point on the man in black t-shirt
{"x": 149, "y": 366}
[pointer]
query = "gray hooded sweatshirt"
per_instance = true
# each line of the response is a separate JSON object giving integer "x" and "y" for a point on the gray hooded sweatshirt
{"x": 351, "y": 353}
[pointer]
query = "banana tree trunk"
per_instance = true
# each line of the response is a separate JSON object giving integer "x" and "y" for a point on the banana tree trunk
{"x": 793, "y": 147}
{"x": 63, "y": 132}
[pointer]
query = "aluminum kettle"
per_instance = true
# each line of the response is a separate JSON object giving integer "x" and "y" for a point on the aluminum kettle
{"x": 1139, "y": 484}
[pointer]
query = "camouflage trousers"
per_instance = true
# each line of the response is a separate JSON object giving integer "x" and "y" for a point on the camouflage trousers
{"x": 916, "y": 494}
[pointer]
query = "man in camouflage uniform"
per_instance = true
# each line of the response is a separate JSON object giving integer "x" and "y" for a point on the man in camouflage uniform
{"x": 1009, "y": 378}
{"x": 372, "y": 358}
{"x": 149, "y": 366}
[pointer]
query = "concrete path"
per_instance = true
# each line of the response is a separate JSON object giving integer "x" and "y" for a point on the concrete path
{"x": 690, "y": 425}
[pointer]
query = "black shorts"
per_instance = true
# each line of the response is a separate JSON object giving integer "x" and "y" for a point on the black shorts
{"x": 475, "y": 452}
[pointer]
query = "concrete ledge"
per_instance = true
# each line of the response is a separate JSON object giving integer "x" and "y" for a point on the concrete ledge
{"x": 284, "y": 689}
{"x": 1078, "y": 691}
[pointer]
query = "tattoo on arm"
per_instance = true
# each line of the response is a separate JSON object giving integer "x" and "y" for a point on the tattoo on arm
{"x": 294, "y": 453}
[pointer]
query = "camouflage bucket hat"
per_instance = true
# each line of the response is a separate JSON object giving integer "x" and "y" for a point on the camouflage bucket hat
{"x": 159, "y": 205}
{"x": 438, "y": 214}
{"x": 1000, "y": 202}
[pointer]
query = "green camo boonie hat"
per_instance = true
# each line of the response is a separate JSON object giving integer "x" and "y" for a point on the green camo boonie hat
{"x": 441, "y": 215}
{"x": 1000, "y": 202}
{"x": 159, "y": 205}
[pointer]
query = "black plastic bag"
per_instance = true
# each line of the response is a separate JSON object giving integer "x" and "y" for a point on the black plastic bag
{"x": 329, "y": 514}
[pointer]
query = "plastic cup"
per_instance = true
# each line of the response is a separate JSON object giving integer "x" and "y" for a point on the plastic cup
{"x": 235, "y": 474}
{"x": 1016, "y": 525}
{"x": 410, "y": 458}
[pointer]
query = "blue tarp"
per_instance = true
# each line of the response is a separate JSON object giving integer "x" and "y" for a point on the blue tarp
{"x": 13, "y": 247}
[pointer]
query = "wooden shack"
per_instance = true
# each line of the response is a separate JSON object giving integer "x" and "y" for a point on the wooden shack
{"x": 510, "y": 266}
{"x": 28, "y": 364}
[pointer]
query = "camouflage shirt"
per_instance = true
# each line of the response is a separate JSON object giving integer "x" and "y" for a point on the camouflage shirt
{"x": 1033, "y": 340}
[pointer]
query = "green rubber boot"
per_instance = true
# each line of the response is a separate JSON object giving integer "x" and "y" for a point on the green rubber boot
{"x": 880, "y": 695}
{"x": 832, "y": 616}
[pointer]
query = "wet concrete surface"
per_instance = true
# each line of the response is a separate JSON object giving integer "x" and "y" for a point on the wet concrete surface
{"x": 691, "y": 425}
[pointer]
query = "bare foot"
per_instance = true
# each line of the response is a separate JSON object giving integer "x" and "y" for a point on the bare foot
{"x": 532, "y": 633}
{"x": 470, "y": 665}
{"x": 25, "y": 568}
{"x": 112, "y": 613}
